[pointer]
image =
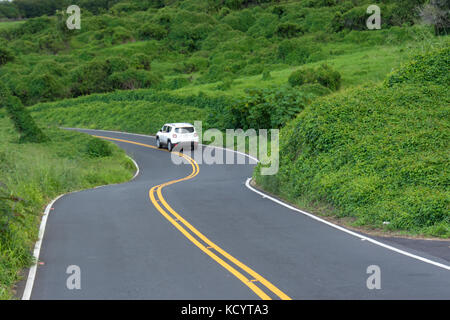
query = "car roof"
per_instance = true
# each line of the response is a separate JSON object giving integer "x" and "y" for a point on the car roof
{"x": 179, "y": 124}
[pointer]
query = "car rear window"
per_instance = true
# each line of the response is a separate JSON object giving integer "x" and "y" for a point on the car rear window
{"x": 184, "y": 130}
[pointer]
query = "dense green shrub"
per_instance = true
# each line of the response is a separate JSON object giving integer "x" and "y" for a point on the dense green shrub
{"x": 296, "y": 51}
{"x": 328, "y": 77}
{"x": 91, "y": 77}
{"x": 45, "y": 87}
{"x": 302, "y": 76}
{"x": 150, "y": 31}
{"x": 240, "y": 20}
{"x": 323, "y": 75}
{"x": 122, "y": 35}
{"x": 51, "y": 42}
{"x": 5, "y": 55}
{"x": 8, "y": 11}
{"x": 288, "y": 30}
{"x": 193, "y": 64}
{"x": 118, "y": 64}
{"x": 98, "y": 148}
{"x": 430, "y": 67}
{"x": 265, "y": 108}
{"x": 265, "y": 25}
{"x": 141, "y": 61}
{"x": 23, "y": 122}
{"x": 353, "y": 19}
{"x": 24, "y": 46}
{"x": 124, "y": 7}
{"x": 133, "y": 79}
{"x": 34, "y": 25}
{"x": 406, "y": 11}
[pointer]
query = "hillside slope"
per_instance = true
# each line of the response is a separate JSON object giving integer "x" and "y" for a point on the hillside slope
{"x": 378, "y": 156}
{"x": 134, "y": 44}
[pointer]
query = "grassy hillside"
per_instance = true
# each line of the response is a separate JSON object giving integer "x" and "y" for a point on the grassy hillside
{"x": 373, "y": 155}
{"x": 145, "y": 110}
{"x": 31, "y": 174}
{"x": 139, "y": 44}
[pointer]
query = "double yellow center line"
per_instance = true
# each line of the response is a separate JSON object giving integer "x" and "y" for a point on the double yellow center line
{"x": 234, "y": 266}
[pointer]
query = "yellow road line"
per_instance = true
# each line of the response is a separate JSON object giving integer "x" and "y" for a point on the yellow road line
{"x": 210, "y": 245}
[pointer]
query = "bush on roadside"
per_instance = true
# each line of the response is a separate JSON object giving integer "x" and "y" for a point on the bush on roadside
{"x": 97, "y": 148}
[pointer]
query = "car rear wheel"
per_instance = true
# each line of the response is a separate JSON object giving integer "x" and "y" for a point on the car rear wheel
{"x": 169, "y": 146}
{"x": 158, "y": 142}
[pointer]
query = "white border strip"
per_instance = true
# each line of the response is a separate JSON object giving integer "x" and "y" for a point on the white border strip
{"x": 247, "y": 184}
{"x": 137, "y": 168}
{"x": 37, "y": 250}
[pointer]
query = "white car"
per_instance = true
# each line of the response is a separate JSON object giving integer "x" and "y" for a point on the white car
{"x": 173, "y": 134}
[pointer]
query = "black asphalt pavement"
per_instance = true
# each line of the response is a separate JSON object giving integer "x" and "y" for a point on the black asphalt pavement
{"x": 126, "y": 249}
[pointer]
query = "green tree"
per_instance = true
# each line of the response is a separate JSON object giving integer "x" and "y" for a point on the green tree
{"x": 23, "y": 122}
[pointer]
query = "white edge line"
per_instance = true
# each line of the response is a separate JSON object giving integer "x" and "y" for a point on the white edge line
{"x": 137, "y": 167}
{"x": 37, "y": 250}
{"x": 247, "y": 184}
{"x": 37, "y": 247}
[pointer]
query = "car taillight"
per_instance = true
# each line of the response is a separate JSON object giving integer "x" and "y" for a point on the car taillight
{"x": 174, "y": 135}
{"x": 195, "y": 134}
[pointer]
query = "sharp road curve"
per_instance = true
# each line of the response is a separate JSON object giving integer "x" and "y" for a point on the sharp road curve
{"x": 195, "y": 231}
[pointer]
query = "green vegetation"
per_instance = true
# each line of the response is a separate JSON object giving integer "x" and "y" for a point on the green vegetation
{"x": 127, "y": 114}
{"x": 21, "y": 118}
{"x": 272, "y": 63}
{"x": 425, "y": 69}
{"x": 31, "y": 174}
{"x": 361, "y": 138}
{"x": 324, "y": 75}
{"x": 375, "y": 154}
{"x": 172, "y": 45}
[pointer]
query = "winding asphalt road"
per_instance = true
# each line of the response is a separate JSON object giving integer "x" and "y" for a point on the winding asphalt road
{"x": 208, "y": 236}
